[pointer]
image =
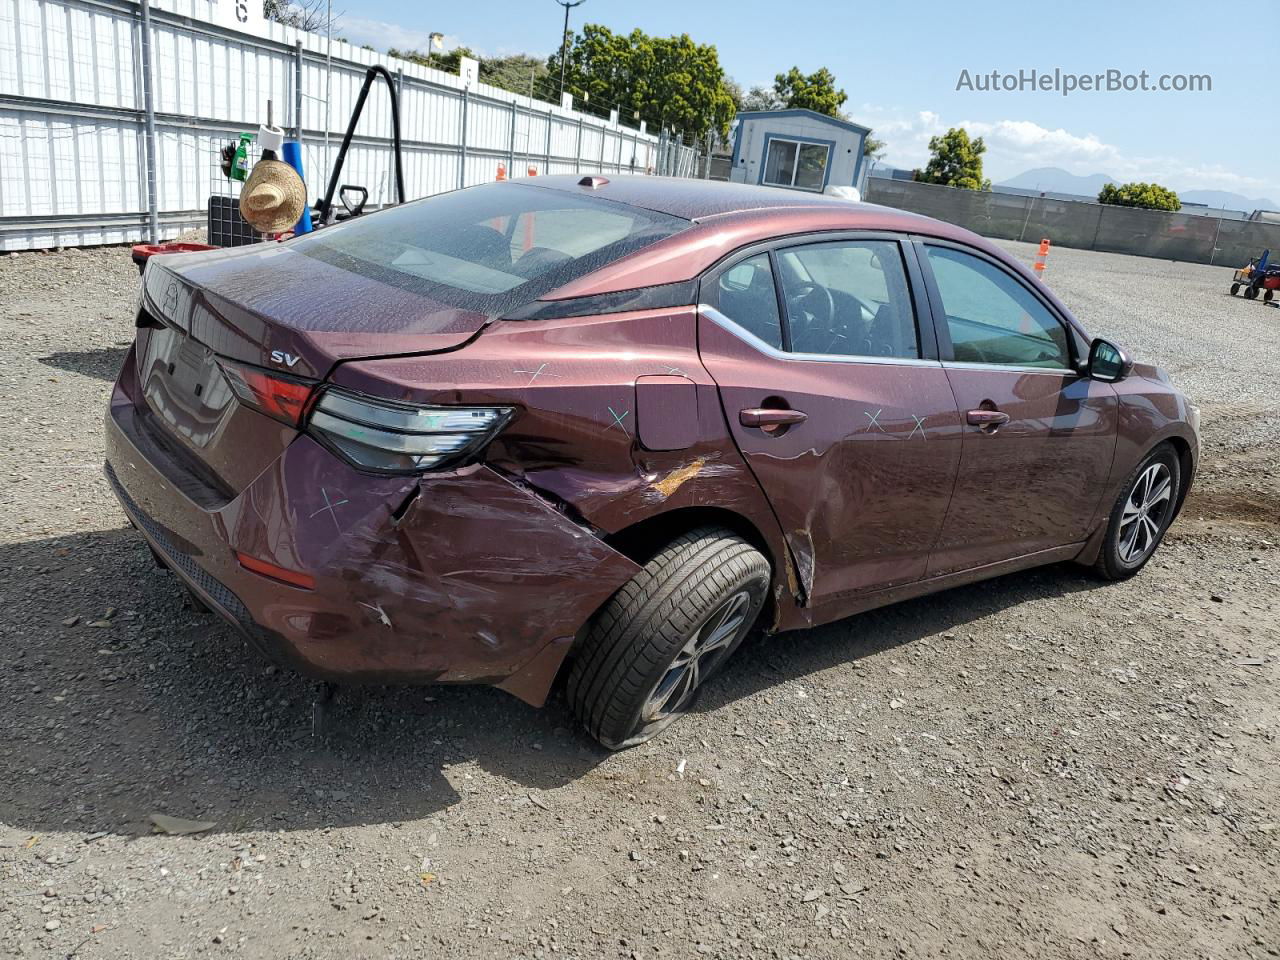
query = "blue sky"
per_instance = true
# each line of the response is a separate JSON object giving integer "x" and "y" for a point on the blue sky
{"x": 900, "y": 63}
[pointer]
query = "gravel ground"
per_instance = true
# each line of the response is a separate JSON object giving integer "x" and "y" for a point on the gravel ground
{"x": 1040, "y": 766}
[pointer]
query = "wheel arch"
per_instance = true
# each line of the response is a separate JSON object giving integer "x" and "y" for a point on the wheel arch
{"x": 639, "y": 541}
{"x": 1186, "y": 468}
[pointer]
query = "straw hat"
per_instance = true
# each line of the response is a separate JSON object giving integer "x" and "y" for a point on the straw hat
{"x": 273, "y": 198}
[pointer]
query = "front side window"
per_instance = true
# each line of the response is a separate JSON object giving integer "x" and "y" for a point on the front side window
{"x": 849, "y": 297}
{"x": 992, "y": 317}
{"x": 792, "y": 163}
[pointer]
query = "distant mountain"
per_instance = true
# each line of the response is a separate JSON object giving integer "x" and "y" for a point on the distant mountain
{"x": 1224, "y": 198}
{"x": 1057, "y": 180}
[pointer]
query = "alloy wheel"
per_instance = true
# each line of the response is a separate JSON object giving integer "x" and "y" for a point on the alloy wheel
{"x": 1145, "y": 510}
{"x": 697, "y": 659}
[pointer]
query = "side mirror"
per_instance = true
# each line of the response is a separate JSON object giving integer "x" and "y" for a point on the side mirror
{"x": 1107, "y": 362}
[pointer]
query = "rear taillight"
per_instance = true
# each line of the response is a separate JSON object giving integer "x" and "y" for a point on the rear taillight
{"x": 391, "y": 437}
{"x": 279, "y": 397}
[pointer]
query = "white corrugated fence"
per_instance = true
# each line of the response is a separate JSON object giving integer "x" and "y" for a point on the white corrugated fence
{"x": 75, "y": 163}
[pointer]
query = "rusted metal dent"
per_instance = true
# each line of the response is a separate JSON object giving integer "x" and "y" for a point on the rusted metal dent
{"x": 673, "y": 480}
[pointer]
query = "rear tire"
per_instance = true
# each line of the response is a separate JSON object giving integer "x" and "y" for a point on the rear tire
{"x": 1141, "y": 515}
{"x": 649, "y": 650}
{"x": 1235, "y": 288}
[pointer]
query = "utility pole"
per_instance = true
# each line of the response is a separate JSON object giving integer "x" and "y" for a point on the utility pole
{"x": 564, "y": 38}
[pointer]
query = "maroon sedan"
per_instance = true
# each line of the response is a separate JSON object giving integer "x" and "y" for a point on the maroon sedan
{"x": 604, "y": 427}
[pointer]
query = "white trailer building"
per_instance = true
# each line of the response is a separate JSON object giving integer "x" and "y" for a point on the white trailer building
{"x": 798, "y": 149}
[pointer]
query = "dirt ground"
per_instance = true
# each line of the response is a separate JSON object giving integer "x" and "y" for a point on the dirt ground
{"x": 1041, "y": 766}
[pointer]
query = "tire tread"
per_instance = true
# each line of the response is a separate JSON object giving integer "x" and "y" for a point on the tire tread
{"x": 636, "y": 629}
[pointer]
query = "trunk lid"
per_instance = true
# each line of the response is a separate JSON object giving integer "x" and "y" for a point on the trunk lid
{"x": 306, "y": 316}
{"x": 272, "y": 307}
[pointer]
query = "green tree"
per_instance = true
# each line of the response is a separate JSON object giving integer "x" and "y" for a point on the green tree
{"x": 308, "y": 15}
{"x": 447, "y": 61}
{"x": 815, "y": 91}
{"x": 669, "y": 81}
{"x": 518, "y": 73}
{"x": 1152, "y": 196}
{"x": 760, "y": 98}
{"x": 871, "y": 147}
{"x": 956, "y": 161}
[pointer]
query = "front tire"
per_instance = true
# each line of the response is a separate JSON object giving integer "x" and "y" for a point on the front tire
{"x": 1141, "y": 515}
{"x": 650, "y": 649}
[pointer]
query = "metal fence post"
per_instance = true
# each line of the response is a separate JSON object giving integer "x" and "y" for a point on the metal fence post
{"x": 462, "y": 150}
{"x": 1097, "y": 227}
{"x": 603, "y": 137}
{"x": 1030, "y": 202}
{"x": 148, "y": 99}
{"x": 511, "y": 150}
{"x": 577, "y": 153}
{"x": 547, "y": 168}
{"x": 1213, "y": 250}
{"x": 297, "y": 90}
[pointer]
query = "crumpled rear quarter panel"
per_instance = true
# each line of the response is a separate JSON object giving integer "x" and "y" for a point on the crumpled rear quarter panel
{"x": 575, "y": 439}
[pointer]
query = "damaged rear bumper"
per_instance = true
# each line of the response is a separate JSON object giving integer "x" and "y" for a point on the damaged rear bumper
{"x": 454, "y": 577}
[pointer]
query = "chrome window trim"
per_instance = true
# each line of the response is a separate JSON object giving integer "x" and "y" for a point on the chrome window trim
{"x": 975, "y": 365}
{"x": 746, "y": 336}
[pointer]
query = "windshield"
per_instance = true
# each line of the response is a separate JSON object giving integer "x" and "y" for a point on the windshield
{"x": 490, "y": 248}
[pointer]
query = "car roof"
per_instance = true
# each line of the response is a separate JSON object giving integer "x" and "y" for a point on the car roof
{"x": 684, "y": 197}
{"x": 728, "y": 216}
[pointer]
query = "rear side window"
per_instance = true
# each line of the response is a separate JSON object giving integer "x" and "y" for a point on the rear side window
{"x": 745, "y": 294}
{"x": 850, "y": 298}
{"x": 490, "y": 248}
{"x": 992, "y": 317}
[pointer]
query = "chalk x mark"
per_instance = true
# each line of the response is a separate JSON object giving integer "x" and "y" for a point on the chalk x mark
{"x": 535, "y": 374}
{"x": 330, "y": 508}
{"x": 617, "y": 421}
{"x": 875, "y": 419}
{"x": 919, "y": 426}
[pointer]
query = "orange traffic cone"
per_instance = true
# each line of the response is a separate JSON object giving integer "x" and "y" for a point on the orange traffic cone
{"x": 502, "y": 171}
{"x": 1041, "y": 256}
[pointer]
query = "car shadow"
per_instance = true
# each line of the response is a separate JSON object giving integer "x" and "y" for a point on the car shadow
{"x": 101, "y": 364}
{"x": 765, "y": 662}
{"x": 123, "y": 699}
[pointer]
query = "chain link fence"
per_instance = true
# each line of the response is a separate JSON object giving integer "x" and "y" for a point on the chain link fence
{"x": 1086, "y": 226}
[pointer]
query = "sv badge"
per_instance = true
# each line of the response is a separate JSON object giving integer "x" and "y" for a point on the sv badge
{"x": 288, "y": 359}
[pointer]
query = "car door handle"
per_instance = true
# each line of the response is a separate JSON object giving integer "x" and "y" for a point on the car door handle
{"x": 767, "y": 417}
{"x": 987, "y": 418}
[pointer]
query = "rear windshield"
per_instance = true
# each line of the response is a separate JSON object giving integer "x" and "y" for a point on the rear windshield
{"x": 490, "y": 248}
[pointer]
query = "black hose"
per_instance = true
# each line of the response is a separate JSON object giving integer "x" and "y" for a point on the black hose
{"x": 326, "y": 205}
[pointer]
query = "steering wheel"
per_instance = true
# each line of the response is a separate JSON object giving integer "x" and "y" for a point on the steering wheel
{"x": 812, "y": 309}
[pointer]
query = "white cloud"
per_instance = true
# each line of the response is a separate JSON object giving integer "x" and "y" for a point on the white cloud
{"x": 1017, "y": 145}
{"x": 382, "y": 35}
